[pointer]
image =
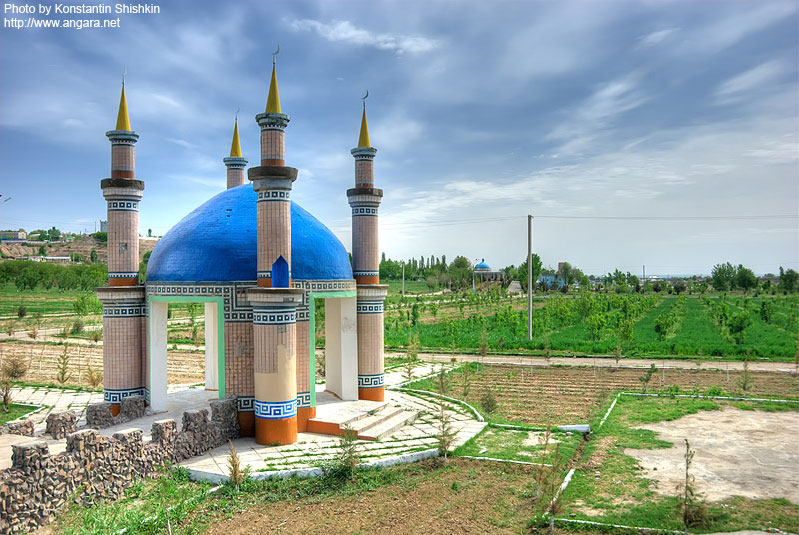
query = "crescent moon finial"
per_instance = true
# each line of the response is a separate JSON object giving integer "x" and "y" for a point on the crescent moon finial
{"x": 237, "y": 114}
{"x": 363, "y": 98}
{"x": 124, "y": 73}
{"x": 275, "y": 53}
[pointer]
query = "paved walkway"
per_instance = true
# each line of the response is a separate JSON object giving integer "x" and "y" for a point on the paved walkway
{"x": 311, "y": 448}
{"x": 604, "y": 362}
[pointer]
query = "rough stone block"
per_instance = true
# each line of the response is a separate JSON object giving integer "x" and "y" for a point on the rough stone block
{"x": 60, "y": 424}
{"x": 99, "y": 415}
{"x": 22, "y": 427}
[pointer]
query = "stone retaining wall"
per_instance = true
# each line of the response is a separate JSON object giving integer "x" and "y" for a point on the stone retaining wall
{"x": 38, "y": 484}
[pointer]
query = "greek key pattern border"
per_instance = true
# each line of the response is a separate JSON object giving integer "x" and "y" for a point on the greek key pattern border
{"x": 116, "y": 395}
{"x": 304, "y": 399}
{"x": 371, "y": 381}
{"x": 274, "y": 410}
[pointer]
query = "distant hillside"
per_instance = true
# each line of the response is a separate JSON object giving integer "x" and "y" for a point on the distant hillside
{"x": 82, "y": 246}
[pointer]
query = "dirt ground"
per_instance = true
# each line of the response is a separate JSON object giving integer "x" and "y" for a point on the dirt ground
{"x": 183, "y": 367}
{"x": 754, "y": 454}
{"x": 564, "y": 396}
{"x": 486, "y": 499}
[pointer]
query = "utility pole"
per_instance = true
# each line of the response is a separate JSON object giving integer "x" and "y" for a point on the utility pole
{"x": 644, "y": 277}
{"x": 403, "y": 278}
{"x": 529, "y": 277}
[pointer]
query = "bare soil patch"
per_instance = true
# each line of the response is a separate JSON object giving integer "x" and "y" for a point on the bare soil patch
{"x": 487, "y": 500}
{"x": 754, "y": 454}
{"x": 182, "y": 366}
{"x": 562, "y": 396}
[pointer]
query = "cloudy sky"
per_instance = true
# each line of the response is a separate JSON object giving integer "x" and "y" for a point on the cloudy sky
{"x": 482, "y": 112}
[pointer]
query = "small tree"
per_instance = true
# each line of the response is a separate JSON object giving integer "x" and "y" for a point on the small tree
{"x": 488, "y": 402}
{"x": 745, "y": 380}
{"x": 483, "y": 348}
{"x": 445, "y": 435}
{"x": 689, "y": 502}
{"x": 347, "y": 456}
{"x": 647, "y": 376}
{"x": 62, "y": 365}
{"x": 13, "y": 369}
{"x": 443, "y": 381}
{"x": 93, "y": 377}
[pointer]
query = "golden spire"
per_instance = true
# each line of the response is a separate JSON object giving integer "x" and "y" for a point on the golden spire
{"x": 273, "y": 100}
{"x": 235, "y": 147}
{"x": 123, "y": 121}
{"x": 363, "y": 139}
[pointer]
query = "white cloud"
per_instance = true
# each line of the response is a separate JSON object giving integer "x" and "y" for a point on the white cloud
{"x": 346, "y": 32}
{"x": 756, "y": 79}
{"x": 596, "y": 114}
{"x": 657, "y": 37}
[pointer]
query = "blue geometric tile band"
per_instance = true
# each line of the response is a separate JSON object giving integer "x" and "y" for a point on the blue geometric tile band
{"x": 273, "y": 195}
{"x": 371, "y": 381}
{"x": 304, "y": 399}
{"x": 275, "y": 410}
{"x": 369, "y": 308}
{"x": 366, "y": 273}
{"x": 245, "y": 403}
{"x": 124, "y": 311}
{"x": 123, "y": 274}
{"x": 367, "y": 212}
{"x": 271, "y": 318}
{"x": 123, "y": 206}
{"x": 116, "y": 395}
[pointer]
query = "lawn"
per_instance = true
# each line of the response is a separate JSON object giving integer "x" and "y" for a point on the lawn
{"x": 15, "y": 410}
{"x": 610, "y": 486}
{"x": 425, "y": 497}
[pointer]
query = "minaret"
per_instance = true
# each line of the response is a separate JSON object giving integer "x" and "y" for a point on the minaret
{"x": 124, "y": 308}
{"x": 274, "y": 302}
{"x": 235, "y": 162}
{"x": 364, "y": 199}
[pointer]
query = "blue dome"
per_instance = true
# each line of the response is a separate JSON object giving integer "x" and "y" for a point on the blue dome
{"x": 482, "y": 266}
{"x": 217, "y": 243}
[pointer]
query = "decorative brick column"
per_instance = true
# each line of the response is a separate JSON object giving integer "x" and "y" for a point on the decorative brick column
{"x": 364, "y": 199}
{"x": 275, "y": 363}
{"x": 369, "y": 308}
{"x": 124, "y": 339}
{"x": 305, "y": 408}
{"x": 124, "y": 308}
{"x": 235, "y": 163}
{"x": 272, "y": 182}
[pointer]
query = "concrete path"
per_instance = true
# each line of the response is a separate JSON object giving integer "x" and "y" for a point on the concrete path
{"x": 604, "y": 362}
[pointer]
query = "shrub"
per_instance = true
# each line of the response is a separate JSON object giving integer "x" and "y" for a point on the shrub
{"x": 87, "y": 304}
{"x": 77, "y": 326}
{"x": 22, "y": 311}
{"x": 12, "y": 369}
{"x": 488, "y": 403}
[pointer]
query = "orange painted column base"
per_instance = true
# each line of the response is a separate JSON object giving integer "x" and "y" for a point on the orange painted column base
{"x": 372, "y": 394}
{"x": 125, "y": 281}
{"x": 246, "y": 424}
{"x": 115, "y": 409}
{"x": 276, "y": 431}
{"x": 303, "y": 415}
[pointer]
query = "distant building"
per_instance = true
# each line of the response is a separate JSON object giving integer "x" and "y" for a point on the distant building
{"x": 13, "y": 234}
{"x": 103, "y": 226}
{"x": 515, "y": 287}
{"x": 484, "y": 272}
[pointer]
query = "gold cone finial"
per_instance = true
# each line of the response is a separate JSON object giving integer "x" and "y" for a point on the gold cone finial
{"x": 273, "y": 100}
{"x": 235, "y": 147}
{"x": 123, "y": 121}
{"x": 363, "y": 139}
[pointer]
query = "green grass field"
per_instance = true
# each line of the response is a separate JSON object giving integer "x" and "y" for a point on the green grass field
{"x": 52, "y": 301}
{"x": 621, "y": 495}
{"x": 568, "y": 325}
{"x": 15, "y": 411}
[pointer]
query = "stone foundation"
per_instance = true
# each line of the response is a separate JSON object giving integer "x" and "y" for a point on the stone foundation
{"x": 99, "y": 415}
{"x": 94, "y": 467}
